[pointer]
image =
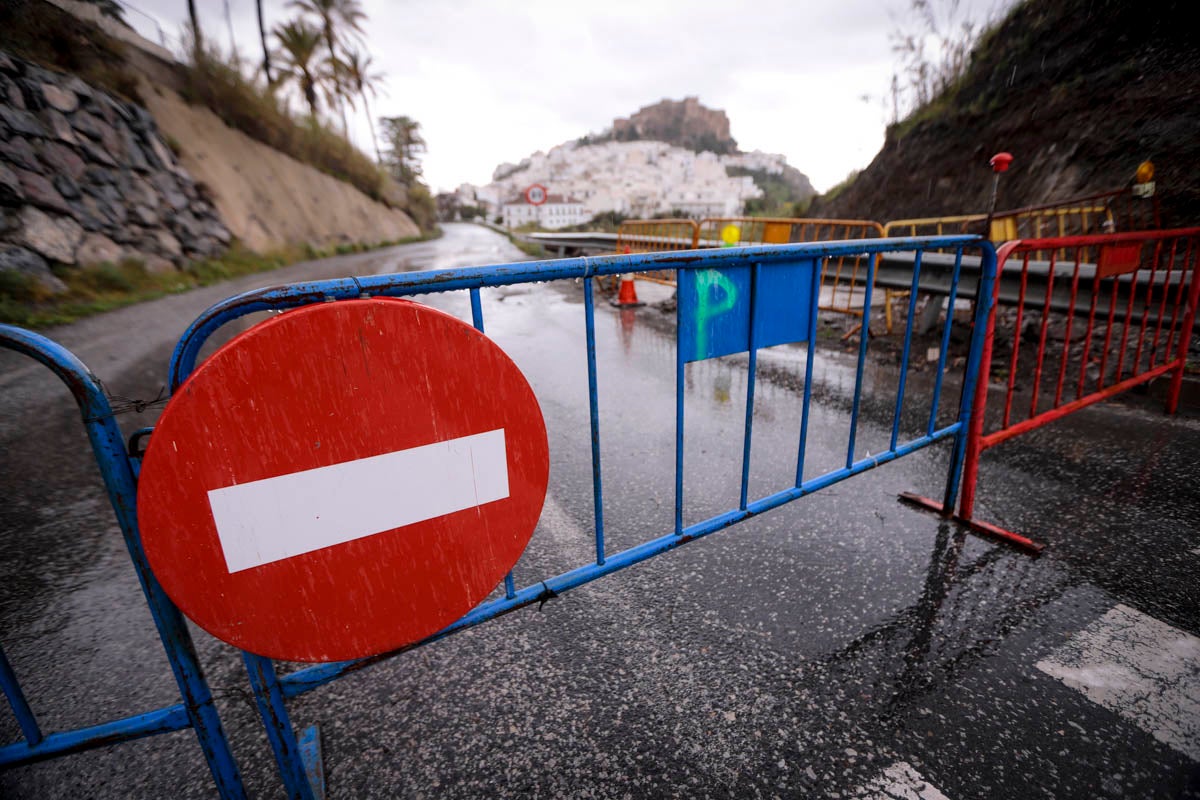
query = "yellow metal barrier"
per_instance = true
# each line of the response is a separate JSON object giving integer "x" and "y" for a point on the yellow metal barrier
{"x": 654, "y": 236}
{"x": 843, "y": 279}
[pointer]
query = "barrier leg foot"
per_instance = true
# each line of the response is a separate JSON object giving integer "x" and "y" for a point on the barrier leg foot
{"x": 314, "y": 764}
{"x": 981, "y": 528}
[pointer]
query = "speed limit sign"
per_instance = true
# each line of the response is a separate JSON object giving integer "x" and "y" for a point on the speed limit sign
{"x": 536, "y": 195}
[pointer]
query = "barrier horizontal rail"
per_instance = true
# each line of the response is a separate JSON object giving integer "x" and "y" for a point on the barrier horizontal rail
{"x": 196, "y": 709}
{"x": 1133, "y": 299}
{"x": 657, "y": 236}
{"x": 755, "y": 270}
{"x": 841, "y": 281}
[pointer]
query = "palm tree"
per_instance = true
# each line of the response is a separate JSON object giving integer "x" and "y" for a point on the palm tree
{"x": 299, "y": 41}
{"x": 356, "y": 68}
{"x": 403, "y": 137}
{"x": 262, "y": 35}
{"x": 197, "y": 45}
{"x": 335, "y": 17}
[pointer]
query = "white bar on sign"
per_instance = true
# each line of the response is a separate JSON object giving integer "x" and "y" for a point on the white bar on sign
{"x": 277, "y": 518}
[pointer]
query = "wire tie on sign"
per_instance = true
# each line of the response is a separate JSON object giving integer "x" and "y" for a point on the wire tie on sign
{"x": 546, "y": 595}
{"x": 119, "y": 404}
{"x": 362, "y": 293}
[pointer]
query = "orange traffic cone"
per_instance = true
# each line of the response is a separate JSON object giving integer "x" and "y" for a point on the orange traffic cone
{"x": 627, "y": 296}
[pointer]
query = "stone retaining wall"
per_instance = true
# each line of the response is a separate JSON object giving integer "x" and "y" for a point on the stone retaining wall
{"x": 87, "y": 179}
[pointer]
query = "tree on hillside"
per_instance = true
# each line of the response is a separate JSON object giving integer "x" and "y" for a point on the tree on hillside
{"x": 262, "y": 35}
{"x": 337, "y": 19}
{"x": 357, "y": 70}
{"x": 940, "y": 26}
{"x": 298, "y": 42}
{"x": 402, "y": 139}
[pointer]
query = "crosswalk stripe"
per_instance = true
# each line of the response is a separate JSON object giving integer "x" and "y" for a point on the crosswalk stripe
{"x": 1141, "y": 668}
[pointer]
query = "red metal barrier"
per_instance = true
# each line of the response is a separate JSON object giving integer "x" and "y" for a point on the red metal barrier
{"x": 1125, "y": 303}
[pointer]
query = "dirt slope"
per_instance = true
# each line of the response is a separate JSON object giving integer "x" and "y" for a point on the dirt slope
{"x": 268, "y": 199}
{"x": 1079, "y": 91}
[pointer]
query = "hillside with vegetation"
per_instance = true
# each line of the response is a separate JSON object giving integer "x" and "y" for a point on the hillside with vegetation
{"x": 1079, "y": 91}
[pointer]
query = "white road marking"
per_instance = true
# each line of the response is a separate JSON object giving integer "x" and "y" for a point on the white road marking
{"x": 276, "y": 518}
{"x": 1143, "y": 669}
{"x": 898, "y": 782}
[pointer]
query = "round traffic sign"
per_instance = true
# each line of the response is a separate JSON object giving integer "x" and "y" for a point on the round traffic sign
{"x": 343, "y": 480}
{"x": 536, "y": 194}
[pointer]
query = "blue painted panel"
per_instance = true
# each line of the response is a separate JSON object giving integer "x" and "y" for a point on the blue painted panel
{"x": 714, "y": 307}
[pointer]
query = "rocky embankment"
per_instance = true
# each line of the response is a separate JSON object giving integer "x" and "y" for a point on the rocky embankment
{"x": 87, "y": 179}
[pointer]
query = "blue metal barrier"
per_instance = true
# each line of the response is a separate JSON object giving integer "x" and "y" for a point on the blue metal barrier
{"x": 298, "y": 761}
{"x": 195, "y": 709}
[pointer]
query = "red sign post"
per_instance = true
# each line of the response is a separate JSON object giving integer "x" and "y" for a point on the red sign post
{"x": 343, "y": 480}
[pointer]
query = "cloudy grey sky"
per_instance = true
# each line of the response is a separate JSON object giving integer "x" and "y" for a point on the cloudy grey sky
{"x": 495, "y": 81}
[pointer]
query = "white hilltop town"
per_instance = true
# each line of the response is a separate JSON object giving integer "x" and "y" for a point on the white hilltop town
{"x": 633, "y": 170}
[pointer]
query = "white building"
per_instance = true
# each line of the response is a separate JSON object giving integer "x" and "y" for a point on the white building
{"x": 640, "y": 178}
{"x": 556, "y": 212}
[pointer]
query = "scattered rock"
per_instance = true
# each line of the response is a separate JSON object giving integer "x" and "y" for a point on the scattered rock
{"x": 54, "y": 238}
{"x": 66, "y": 186}
{"x": 62, "y": 160}
{"x": 97, "y": 153}
{"x": 31, "y": 91}
{"x": 10, "y": 187}
{"x": 60, "y": 127}
{"x": 20, "y": 153}
{"x": 144, "y": 215}
{"x": 167, "y": 244}
{"x": 27, "y": 262}
{"x": 21, "y": 122}
{"x": 87, "y": 124}
{"x": 41, "y": 192}
{"x": 161, "y": 152}
{"x": 96, "y": 248}
{"x": 63, "y": 100}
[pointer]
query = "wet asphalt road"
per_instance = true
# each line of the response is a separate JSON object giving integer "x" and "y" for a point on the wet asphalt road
{"x": 841, "y": 646}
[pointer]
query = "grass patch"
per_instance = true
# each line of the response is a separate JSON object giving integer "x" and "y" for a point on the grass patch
{"x": 252, "y": 108}
{"x": 110, "y": 286}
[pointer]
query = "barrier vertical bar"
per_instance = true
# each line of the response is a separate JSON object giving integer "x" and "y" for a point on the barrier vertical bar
{"x": 1183, "y": 279}
{"x": 1041, "y": 354}
{"x": 589, "y": 317}
{"x": 755, "y": 272}
{"x": 945, "y": 345}
{"x": 973, "y": 388}
{"x": 679, "y": 381}
{"x": 1016, "y": 352}
{"x": 278, "y": 724}
{"x": 1162, "y": 307}
{"x": 510, "y": 589}
{"x": 815, "y": 294}
{"x": 1185, "y": 336}
{"x": 1066, "y": 356}
{"x": 908, "y": 329}
{"x": 1137, "y": 358}
{"x": 16, "y": 698}
{"x": 1087, "y": 345}
{"x": 864, "y": 335}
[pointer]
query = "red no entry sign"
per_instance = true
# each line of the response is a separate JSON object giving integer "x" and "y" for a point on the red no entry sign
{"x": 343, "y": 480}
{"x": 536, "y": 194}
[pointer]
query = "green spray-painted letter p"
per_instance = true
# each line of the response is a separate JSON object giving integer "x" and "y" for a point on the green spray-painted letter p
{"x": 715, "y": 294}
